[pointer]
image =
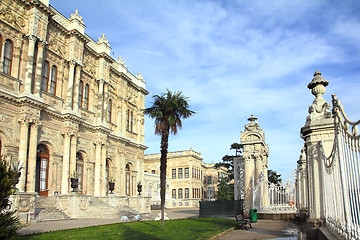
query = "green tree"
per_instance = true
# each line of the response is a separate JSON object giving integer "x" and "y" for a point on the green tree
{"x": 228, "y": 161}
{"x": 9, "y": 177}
{"x": 225, "y": 190}
{"x": 168, "y": 109}
{"x": 273, "y": 177}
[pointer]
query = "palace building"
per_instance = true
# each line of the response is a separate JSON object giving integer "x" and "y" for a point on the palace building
{"x": 189, "y": 179}
{"x": 68, "y": 109}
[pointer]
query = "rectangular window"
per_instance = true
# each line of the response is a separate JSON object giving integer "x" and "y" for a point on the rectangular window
{"x": 109, "y": 110}
{"x": 209, "y": 180}
{"x": 8, "y": 51}
{"x": 53, "y": 80}
{"x": 174, "y": 194}
{"x": 180, "y": 193}
{"x": 45, "y": 76}
{"x": 174, "y": 174}
{"x": 186, "y": 193}
{"x": 187, "y": 172}
{"x": 128, "y": 120}
{"x": 86, "y": 97}
{"x": 81, "y": 86}
{"x": 180, "y": 173}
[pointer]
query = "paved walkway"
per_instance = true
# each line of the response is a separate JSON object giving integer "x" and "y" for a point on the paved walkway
{"x": 263, "y": 229}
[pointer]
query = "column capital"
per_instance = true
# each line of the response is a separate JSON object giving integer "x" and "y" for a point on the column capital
{"x": 35, "y": 123}
{"x": 23, "y": 120}
{"x": 31, "y": 38}
{"x": 69, "y": 133}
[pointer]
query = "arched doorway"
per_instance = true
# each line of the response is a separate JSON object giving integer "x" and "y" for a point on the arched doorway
{"x": 42, "y": 170}
{"x": 80, "y": 171}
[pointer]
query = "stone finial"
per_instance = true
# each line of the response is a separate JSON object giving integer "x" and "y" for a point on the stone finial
{"x": 252, "y": 119}
{"x": 76, "y": 16}
{"x": 121, "y": 61}
{"x": 319, "y": 109}
{"x": 139, "y": 76}
{"x": 318, "y": 84}
{"x": 103, "y": 40}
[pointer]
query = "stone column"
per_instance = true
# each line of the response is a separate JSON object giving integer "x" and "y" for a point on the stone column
{"x": 249, "y": 174}
{"x": 31, "y": 171}
{"x": 76, "y": 88}
{"x": 69, "y": 97}
{"x": 39, "y": 68}
{"x": 258, "y": 168}
{"x": 66, "y": 163}
{"x": 100, "y": 101}
{"x": 103, "y": 171}
{"x": 29, "y": 63}
{"x": 23, "y": 144}
{"x": 73, "y": 145}
{"x": 98, "y": 145}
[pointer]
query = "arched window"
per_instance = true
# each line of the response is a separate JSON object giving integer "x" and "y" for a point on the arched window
{"x": 8, "y": 52}
{"x": 81, "y": 86}
{"x": 180, "y": 193}
{"x": 45, "y": 76}
{"x": 86, "y": 97}
{"x": 109, "y": 110}
{"x": 42, "y": 170}
{"x": 128, "y": 179}
{"x": 53, "y": 80}
{"x": 80, "y": 170}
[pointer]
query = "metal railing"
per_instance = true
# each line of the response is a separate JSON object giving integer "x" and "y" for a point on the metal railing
{"x": 341, "y": 178}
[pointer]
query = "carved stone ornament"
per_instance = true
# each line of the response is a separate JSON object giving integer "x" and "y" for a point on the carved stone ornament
{"x": 319, "y": 109}
{"x": 9, "y": 16}
{"x": 103, "y": 40}
{"x": 76, "y": 16}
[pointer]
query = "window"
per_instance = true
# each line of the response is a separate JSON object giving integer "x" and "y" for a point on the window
{"x": 180, "y": 170}
{"x": 192, "y": 172}
{"x": 174, "y": 194}
{"x": 79, "y": 169}
{"x": 109, "y": 110}
{"x": 0, "y": 143}
{"x": 8, "y": 52}
{"x": 209, "y": 180}
{"x": 86, "y": 97}
{"x": 187, "y": 172}
{"x": 174, "y": 174}
{"x": 186, "y": 193}
{"x": 128, "y": 179}
{"x": 81, "y": 88}
{"x": 131, "y": 120}
{"x": 180, "y": 194}
{"x": 129, "y": 125}
{"x": 45, "y": 76}
{"x": 53, "y": 80}
{"x": 153, "y": 171}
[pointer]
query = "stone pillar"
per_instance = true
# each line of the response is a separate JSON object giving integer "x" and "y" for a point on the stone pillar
{"x": 249, "y": 178}
{"x": 23, "y": 144}
{"x": 100, "y": 101}
{"x": 31, "y": 171}
{"x": 69, "y": 97}
{"x": 76, "y": 88}
{"x": 98, "y": 145}
{"x": 103, "y": 171}
{"x": 73, "y": 145}
{"x": 258, "y": 168}
{"x": 29, "y": 63}
{"x": 66, "y": 163}
{"x": 319, "y": 126}
{"x": 39, "y": 68}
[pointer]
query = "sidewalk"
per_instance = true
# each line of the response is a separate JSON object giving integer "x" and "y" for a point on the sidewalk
{"x": 38, "y": 227}
{"x": 264, "y": 229}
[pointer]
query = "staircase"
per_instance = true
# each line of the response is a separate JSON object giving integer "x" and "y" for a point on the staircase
{"x": 100, "y": 209}
{"x": 46, "y": 210}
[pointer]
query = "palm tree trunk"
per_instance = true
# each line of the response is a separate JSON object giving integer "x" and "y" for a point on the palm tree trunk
{"x": 163, "y": 160}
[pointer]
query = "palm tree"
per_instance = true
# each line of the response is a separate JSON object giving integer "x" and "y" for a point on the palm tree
{"x": 168, "y": 109}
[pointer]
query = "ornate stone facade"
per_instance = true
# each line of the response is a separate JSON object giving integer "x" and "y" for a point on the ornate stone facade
{"x": 189, "y": 179}
{"x": 252, "y": 164}
{"x": 66, "y": 105}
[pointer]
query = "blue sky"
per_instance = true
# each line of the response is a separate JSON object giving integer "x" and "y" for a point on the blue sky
{"x": 233, "y": 59}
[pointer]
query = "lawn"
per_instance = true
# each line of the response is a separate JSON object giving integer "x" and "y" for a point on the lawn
{"x": 194, "y": 228}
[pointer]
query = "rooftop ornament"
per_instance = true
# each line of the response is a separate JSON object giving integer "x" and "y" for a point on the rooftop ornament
{"x": 76, "y": 16}
{"x": 318, "y": 84}
{"x": 252, "y": 119}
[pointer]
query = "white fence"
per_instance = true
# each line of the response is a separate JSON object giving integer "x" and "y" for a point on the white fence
{"x": 281, "y": 198}
{"x": 341, "y": 179}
